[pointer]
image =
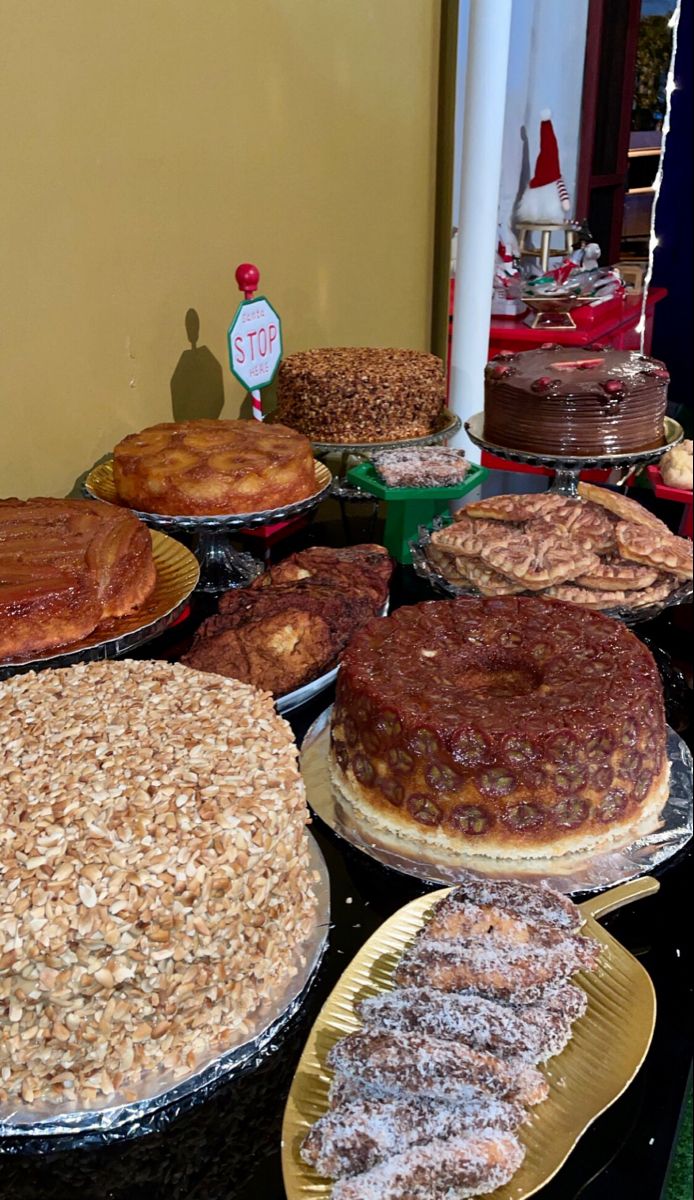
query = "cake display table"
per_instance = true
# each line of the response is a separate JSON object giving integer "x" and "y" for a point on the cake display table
{"x": 226, "y": 1144}
{"x": 221, "y": 565}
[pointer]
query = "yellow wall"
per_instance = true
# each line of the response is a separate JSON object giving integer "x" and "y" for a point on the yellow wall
{"x": 151, "y": 145}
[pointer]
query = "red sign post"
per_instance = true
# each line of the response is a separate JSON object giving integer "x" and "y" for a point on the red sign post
{"x": 255, "y": 338}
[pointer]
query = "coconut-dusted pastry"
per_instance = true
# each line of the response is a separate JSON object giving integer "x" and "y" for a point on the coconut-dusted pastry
{"x": 359, "y": 1131}
{"x": 419, "y": 1065}
{"x": 547, "y": 734}
{"x": 421, "y": 466}
{"x": 66, "y": 567}
{"x": 530, "y": 1033}
{"x": 203, "y": 468}
{"x": 452, "y": 1169}
{"x": 427, "y": 1095}
{"x": 158, "y": 887}
{"x": 360, "y": 395}
{"x": 496, "y": 969}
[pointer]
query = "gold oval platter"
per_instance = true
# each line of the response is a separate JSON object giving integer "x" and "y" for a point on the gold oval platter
{"x": 177, "y": 577}
{"x": 608, "y": 1046}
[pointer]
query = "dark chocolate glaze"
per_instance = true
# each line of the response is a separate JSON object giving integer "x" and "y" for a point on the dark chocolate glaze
{"x": 570, "y": 400}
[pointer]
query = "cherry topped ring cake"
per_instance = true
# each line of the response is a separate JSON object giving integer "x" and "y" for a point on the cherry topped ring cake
{"x": 574, "y": 401}
{"x": 512, "y": 727}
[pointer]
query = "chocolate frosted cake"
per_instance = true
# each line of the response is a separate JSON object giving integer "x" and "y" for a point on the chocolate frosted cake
{"x": 565, "y": 400}
{"x": 359, "y": 395}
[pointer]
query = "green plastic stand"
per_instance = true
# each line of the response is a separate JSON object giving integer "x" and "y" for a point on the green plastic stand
{"x": 408, "y": 508}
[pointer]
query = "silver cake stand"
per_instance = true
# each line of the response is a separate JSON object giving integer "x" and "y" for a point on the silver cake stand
{"x": 222, "y": 566}
{"x": 567, "y": 467}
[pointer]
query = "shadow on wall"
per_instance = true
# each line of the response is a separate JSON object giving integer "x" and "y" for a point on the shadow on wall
{"x": 197, "y": 384}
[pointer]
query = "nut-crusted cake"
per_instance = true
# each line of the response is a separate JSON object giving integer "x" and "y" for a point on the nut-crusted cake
{"x": 512, "y": 727}
{"x": 66, "y": 566}
{"x": 155, "y": 886}
{"x": 360, "y": 395}
{"x": 199, "y": 468}
{"x": 569, "y": 400}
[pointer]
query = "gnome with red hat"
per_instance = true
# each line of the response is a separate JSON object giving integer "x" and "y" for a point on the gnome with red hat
{"x": 545, "y": 200}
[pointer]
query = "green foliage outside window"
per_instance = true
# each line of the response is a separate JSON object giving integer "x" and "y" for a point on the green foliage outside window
{"x": 652, "y": 63}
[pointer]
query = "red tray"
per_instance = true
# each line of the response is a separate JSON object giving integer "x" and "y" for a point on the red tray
{"x": 679, "y": 495}
{"x": 663, "y": 490}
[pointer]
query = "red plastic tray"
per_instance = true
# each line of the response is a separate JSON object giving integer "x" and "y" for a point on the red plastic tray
{"x": 663, "y": 490}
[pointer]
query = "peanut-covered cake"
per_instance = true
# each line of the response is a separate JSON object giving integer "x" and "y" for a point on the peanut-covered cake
{"x": 155, "y": 887}
{"x": 513, "y": 727}
{"x": 66, "y": 566}
{"x": 574, "y": 401}
{"x": 360, "y": 395}
{"x": 203, "y": 468}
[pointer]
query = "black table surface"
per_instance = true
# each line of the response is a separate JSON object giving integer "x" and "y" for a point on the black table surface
{"x": 228, "y": 1148}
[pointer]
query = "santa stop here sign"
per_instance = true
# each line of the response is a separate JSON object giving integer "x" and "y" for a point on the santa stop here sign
{"x": 255, "y": 343}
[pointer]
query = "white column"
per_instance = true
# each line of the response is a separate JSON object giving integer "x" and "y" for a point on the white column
{"x": 483, "y": 132}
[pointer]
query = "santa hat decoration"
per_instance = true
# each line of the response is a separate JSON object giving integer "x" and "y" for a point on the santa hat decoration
{"x": 546, "y": 197}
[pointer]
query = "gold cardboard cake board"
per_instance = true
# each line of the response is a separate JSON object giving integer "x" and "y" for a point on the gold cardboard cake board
{"x": 608, "y": 1046}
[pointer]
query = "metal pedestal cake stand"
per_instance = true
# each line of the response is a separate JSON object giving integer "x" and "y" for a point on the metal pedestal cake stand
{"x": 222, "y": 566}
{"x": 567, "y": 467}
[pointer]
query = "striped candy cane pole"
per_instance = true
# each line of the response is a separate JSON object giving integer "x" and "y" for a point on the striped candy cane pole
{"x": 257, "y": 405}
{"x": 248, "y": 278}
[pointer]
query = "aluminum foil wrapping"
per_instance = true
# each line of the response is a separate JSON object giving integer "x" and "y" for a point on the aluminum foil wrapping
{"x": 630, "y": 616}
{"x": 162, "y": 1098}
{"x": 570, "y": 874}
